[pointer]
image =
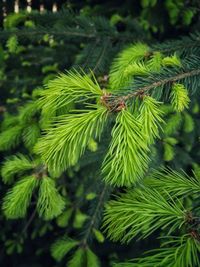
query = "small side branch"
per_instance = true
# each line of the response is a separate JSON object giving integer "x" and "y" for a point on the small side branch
{"x": 116, "y": 103}
{"x": 94, "y": 216}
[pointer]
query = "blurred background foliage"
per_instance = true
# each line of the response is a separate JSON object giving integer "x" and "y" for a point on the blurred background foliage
{"x": 35, "y": 46}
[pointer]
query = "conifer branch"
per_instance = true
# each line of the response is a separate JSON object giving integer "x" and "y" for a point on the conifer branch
{"x": 186, "y": 44}
{"x": 100, "y": 58}
{"x": 114, "y": 102}
{"x": 93, "y": 219}
{"x": 29, "y": 221}
{"x": 178, "y": 77}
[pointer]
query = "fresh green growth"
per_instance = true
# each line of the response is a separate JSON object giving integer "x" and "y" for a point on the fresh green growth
{"x": 67, "y": 140}
{"x": 177, "y": 252}
{"x": 179, "y": 97}
{"x": 92, "y": 259}
{"x": 158, "y": 205}
{"x": 171, "y": 61}
{"x": 151, "y": 118}
{"x": 155, "y": 62}
{"x": 126, "y": 160}
{"x": 21, "y": 128}
{"x": 78, "y": 259}
{"x": 31, "y": 135}
{"x": 128, "y": 64}
{"x": 133, "y": 211}
{"x": 74, "y": 111}
{"x": 84, "y": 257}
{"x": 66, "y": 89}
{"x": 17, "y": 200}
{"x": 10, "y": 137}
{"x": 61, "y": 247}
{"x": 12, "y": 44}
{"x": 173, "y": 124}
{"x": 15, "y": 165}
{"x": 188, "y": 123}
{"x": 169, "y": 152}
{"x": 176, "y": 183}
{"x": 50, "y": 203}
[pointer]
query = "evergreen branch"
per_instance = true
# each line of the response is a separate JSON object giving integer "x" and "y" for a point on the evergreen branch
{"x": 50, "y": 203}
{"x": 10, "y": 137}
{"x": 141, "y": 86}
{"x": 64, "y": 144}
{"x": 78, "y": 259}
{"x": 29, "y": 221}
{"x": 16, "y": 201}
{"x": 187, "y": 44}
{"x": 128, "y": 145}
{"x": 163, "y": 82}
{"x": 92, "y": 259}
{"x": 66, "y": 89}
{"x": 173, "y": 124}
{"x": 132, "y": 55}
{"x": 93, "y": 219}
{"x": 174, "y": 183}
{"x": 27, "y": 112}
{"x": 70, "y": 32}
{"x": 87, "y": 54}
{"x": 15, "y": 165}
{"x": 100, "y": 58}
{"x": 177, "y": 252}
{"x": 179, "y": 46}
{"x": 61, "y": 247}
{"x": 140, "y": 212}
{"x": 151, "y": 118}
{"x": 31, "y": 134}
{"x": 96, "y": 56}
{"x": 179, "y": 97}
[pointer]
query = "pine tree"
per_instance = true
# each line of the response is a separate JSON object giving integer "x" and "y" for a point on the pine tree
{"x": 122, "y": 127}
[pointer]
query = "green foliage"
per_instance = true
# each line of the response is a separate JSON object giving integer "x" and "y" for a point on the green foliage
{"x": 140, "y": 212}
{"x": 177, "y": 252}
{"x": 151, "y": 118}
{"x": 31, "y": 134}
{"x": 12, "y": 44}
{"x": 61, "y": 247}
{"x": 92, "y": 259}
{"x": 79, "y": 219}
{"x": 155, "y": 62}
{"x": 173, "y": 124}
{"x": 78, "y": 258}
{"x": 188, "y": 123}
{"x": 135, "y": 69}
{"x": 84, "y": 257}
{"x": 10, "y": 137}
{"x": 168, "y": 152}
{"x": 67, "y": 88}
{"x": 17, "y": 200}
{"x": 99, "y": 236}
{"x": 63, "y": 219}
{"x": 179, "y": 97}
{"x": 171, "y": 61}
{"x": 27, "y": 112}
{"x": 173, "y": 182}
{"x": 72, "y": 133}
{"x": 89, "y": 117}
{"x": 127, "y": 146}
{"x": 15, "y": 165}
{"x": 50, "y": 203}
{"x": 13, "y": 20}
{"x": 128, "y": 62}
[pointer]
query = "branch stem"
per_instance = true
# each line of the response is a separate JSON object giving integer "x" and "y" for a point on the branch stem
{"x": 162, "y": 82}
{"x": 94, "y": 216}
